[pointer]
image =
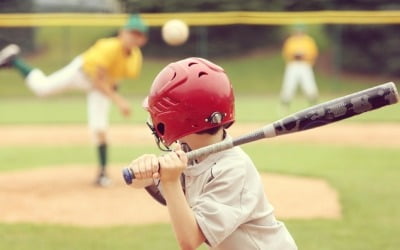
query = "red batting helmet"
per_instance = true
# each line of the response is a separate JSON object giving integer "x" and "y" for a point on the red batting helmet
{"x": 189, "y": 96}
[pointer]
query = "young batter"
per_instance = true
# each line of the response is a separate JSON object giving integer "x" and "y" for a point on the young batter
{"x": 97, "y": 71}
{"x": 218, "y": 200}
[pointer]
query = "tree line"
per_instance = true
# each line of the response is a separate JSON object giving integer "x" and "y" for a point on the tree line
{"x": 362, "y": 48}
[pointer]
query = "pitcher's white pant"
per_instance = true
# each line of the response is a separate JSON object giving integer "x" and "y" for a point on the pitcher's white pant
{"x": 298, "y": 72}
{"x": 72, "y": 77}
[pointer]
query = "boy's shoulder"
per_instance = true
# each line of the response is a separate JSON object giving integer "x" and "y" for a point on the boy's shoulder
{"x": 236, "y": 168}
{"x": 234, "y": 158}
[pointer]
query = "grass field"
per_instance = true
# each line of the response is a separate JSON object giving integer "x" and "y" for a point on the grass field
{"x": 366, "y": 178}
{"x": 72, "y": 110}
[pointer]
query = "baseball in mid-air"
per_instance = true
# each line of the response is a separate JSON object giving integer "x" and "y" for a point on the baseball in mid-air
{"x": 175, "y": 32}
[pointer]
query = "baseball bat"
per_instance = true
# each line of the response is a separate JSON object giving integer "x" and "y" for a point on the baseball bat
{"x": 312, "y": 117}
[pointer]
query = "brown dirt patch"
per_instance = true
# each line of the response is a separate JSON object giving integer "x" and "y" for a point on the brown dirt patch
{"x": 65, "y": 195}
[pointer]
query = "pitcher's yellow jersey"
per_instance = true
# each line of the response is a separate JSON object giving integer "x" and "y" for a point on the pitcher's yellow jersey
{"x": 300, "y": 46}
{"x": 108, "y": 54}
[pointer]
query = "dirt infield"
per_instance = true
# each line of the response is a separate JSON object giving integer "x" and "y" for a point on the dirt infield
{"x": 65, "y": 194}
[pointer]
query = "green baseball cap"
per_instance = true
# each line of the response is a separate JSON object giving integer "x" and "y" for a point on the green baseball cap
{"x": 136, "y": 23}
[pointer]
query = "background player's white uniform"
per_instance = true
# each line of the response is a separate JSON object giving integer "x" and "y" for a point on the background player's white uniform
{"x": 300, "y": 52}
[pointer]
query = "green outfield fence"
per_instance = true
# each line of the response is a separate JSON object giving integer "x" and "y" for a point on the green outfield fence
{"x": 204, "y": 18}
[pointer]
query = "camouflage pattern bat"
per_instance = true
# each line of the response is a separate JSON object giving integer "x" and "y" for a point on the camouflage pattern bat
{"x": 338, "y": 109}
{"x": 315, "y": 116}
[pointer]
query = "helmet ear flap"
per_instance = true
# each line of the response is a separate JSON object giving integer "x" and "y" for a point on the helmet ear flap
{"x": 159, "y": 141}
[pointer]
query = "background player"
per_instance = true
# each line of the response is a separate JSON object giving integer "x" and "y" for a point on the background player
{"x": 300, "y": 52}
{"x": 218, "y": 199}
{"x": 97, "y": 71}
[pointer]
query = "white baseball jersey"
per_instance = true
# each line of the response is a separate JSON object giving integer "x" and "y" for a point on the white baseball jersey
{"x": 227, "y": 196}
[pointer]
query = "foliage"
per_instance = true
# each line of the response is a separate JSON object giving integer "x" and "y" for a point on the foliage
{"x": 213, "y": 40}
{"x": 364, "y": 49}
{"x": 156, "y": 6}
{"x": 24, "y": 36}
{"x": 13, "y": 6}
{"x": 370, "y": 49}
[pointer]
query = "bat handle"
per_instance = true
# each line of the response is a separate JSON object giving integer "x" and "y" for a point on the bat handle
{"x": 128, "y": 175}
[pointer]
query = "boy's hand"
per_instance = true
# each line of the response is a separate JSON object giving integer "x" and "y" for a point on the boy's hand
{"x": 145, "y": 167}
{"x": 172, "y": 165}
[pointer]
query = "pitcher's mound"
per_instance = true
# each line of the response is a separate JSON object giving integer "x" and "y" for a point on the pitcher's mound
{"x": 66, "y": 195}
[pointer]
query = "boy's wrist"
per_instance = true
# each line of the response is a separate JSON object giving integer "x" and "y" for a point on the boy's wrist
{"x": 171, "y": 185}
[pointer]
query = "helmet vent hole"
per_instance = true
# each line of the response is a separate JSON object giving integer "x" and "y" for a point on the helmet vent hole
{"x": 202, "y": 73}
{"x": 173, "y": 77}
{"x": 161, "y": 128}
{"x": 192, "y": 63}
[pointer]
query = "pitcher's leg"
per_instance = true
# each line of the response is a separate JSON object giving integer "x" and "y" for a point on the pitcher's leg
{"x": 40, "y": 84}
{"x": 98, "y": 112}
{"x": 289, "y": 84}
{"x": 57, "y": 82}
{"x": 308, "y": 84}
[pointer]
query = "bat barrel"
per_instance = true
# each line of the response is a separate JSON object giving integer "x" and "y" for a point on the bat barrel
{"x": 339, "y": 109}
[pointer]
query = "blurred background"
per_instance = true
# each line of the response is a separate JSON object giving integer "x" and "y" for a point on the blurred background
{"x": 359, "y": 47}
{"x": 364, "y": 52}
